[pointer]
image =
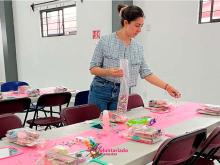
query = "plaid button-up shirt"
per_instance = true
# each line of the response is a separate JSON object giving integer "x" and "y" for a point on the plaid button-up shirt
{"x": 110, "y": 49}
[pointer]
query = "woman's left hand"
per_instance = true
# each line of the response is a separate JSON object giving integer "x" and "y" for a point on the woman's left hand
{"x": 173, "y": 92}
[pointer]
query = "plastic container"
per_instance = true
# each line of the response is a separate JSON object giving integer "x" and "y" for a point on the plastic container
{"x": 146, "y": 120}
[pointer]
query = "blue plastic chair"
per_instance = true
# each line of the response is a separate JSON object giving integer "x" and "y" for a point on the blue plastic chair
{"x": 12, "y": 85}
{"x": 81, "y": 98}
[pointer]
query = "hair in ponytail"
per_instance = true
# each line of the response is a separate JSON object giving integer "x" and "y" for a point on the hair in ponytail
{"x": 129, "y": 13}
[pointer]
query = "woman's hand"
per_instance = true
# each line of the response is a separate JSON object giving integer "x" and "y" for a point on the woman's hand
{"x": 115, "y": 72}
{"x": 112, "y": 72}
{"x": 172, "y": 91}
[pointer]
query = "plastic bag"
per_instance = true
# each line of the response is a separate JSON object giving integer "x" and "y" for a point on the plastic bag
{"x": 23, "y": 137}
{"x": 143, "y": 134}
{"x": 60, "y": 89}
{"x": 23, "y": 89}
{"x": 145, "y": 120}
{"x": 159, "y": 106}
{"x": 124, "y": 89}
{"x": 33, "y": 92}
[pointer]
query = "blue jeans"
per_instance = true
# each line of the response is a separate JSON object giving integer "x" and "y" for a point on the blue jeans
{"x": 104, "y": 94}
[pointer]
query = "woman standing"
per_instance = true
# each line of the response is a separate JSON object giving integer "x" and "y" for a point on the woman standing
{"x": 121, "y": 44}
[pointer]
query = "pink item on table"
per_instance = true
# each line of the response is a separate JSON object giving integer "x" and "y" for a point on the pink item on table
{"x": 160, "y": 110}
{"x": 29, "y": 93}
{"x": 59, "y": 89}
{"x": 143, "y": 134}
{"x": 47, "y": 90}
{"x": 117, "y": 118}
{"x": 158, "y": 103}
{"x": 14, "y": 95}
{"x": 159, "y": 106}
{"x": 209, "y": 110}
{"x": 52, "y": 90}
{"x": 33, "y": 92}
{"x": 22, "y": 89}
{"x": 21, "y": 135}
{"x": 176, "y": 115}
{"x": 105, "y": 121}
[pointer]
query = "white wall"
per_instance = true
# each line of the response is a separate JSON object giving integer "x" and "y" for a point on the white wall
{"x": 2, "y": 65}
{"x": 181, "y": 51}
{"x": 58, "y": 60}
{"x": 177, "y": 49}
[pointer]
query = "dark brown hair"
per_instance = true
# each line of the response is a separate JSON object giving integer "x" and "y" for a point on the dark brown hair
{"x": 130, "y": 13}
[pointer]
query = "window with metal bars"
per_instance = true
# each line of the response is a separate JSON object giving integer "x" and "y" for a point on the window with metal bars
{"x": 59, "y": 21}
{"x": 209, "y": 11}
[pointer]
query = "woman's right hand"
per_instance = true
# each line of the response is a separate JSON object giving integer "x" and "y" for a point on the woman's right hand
{"x": 115, "y": 72}
{"x": 172, "y": 91}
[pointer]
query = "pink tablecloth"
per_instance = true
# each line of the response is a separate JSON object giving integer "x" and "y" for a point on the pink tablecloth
{"x": 15, "y": 94}
{"x": 176, "y": 115}
{"x": 31, "y": 155}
